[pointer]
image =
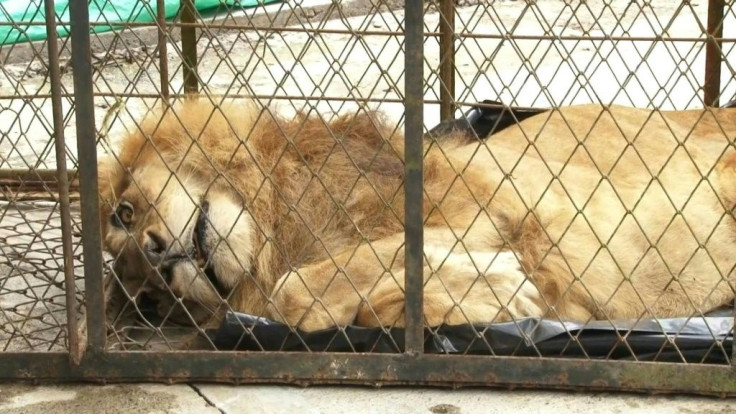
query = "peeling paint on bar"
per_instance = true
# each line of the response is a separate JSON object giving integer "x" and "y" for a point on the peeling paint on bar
{"x": 373, "y": 369}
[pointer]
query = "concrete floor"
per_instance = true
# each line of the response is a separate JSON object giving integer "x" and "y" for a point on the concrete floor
{"x": 263, "y": 399}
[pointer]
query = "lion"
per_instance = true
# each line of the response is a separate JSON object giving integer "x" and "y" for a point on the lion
{"x": 579, "y": 213}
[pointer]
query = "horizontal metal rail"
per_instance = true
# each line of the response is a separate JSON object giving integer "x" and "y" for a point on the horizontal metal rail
{"x": 35, "y": 184}
{"x": 394, "y": 33}
{"x": 372, "y": 369}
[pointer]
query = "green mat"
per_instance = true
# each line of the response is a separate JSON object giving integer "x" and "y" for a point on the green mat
{"x": 111, "y": 12}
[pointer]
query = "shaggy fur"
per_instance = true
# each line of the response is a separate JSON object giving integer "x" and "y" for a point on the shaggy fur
{"x": 580, "y": 213}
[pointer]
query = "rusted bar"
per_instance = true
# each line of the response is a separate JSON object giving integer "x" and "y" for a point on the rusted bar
{"x": 372, "y": 32}
{"x": 34, "y": 174}
{"x": 87, "y": 155}
{"x": 35, "y": 184}
{"x": 72, "y": 327}
{"x": 24, "y": 196}
{"x": 163, "y": 54}
{"x": 372, "y": 369}
{"x": 712, "y": 84}
{"x": 414, "y": 221}
{"x": 259, "y": 96}
{"x": 447, "y": 59}
{"x": 189, "y": 47}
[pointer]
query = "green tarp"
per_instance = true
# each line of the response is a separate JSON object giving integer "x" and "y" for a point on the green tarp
{"x": 16, "y": 14}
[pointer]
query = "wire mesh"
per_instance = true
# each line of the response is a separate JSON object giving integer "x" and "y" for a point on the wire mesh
{"x": 34, "y": 305}
{"x": 335, "y": 84}
{"x": 32, "y": 293}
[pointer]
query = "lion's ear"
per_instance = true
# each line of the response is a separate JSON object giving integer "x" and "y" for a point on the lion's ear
{"x": 110, "y": 183}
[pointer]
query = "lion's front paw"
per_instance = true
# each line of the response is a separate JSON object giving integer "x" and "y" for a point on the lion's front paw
{"x": 295, "y": 304}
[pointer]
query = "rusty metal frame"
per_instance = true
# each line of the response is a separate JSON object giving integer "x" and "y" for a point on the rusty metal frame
{"x": 163, "y": 54}
{"x": 88, "y": 359}
{"x": 372, "y": 369}
{"x": 413, "y": 132}
{"x": 447, "y": 59}
{"x": 712, "y": 77}
{"x": 189, "y": 47}
{"x": 87, "y": 155}
{"x": 74, "y": 344}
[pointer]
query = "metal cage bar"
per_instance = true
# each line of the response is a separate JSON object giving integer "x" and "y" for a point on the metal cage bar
{"x": 189, "y": 47}
{"x": 72, "y": 328}
{"x": 373, "y": 369}
{"x": 712, "y": 81}
{"x": 414, "y": 223}
{"x": 87, "y": 153}
{"x": 163, "y": 55}
{"x": 447, "y": 59}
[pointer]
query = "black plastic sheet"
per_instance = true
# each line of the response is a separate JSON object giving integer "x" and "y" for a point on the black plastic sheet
{"x": 484, "y": 121}
{"x": 699, "y": 339}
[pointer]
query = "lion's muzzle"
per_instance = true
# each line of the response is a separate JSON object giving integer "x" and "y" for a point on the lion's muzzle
{"x": 165, "y": 253}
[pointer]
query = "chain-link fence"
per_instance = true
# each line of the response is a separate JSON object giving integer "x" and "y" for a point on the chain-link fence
{"x": 369, "y": 191}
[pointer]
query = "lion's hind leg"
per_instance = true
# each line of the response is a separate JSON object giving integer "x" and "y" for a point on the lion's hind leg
{"x": 459, "y": 288}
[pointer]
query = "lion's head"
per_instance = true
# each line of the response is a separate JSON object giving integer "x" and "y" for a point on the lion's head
{"x": 206, "y": 206}
{"x": 175, "y": 225}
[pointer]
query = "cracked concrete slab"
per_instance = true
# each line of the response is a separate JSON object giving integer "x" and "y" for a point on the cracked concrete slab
{"x": 265, "y": 399}
{"x": 281, "y": 399}
{"x": 97, "y": 399}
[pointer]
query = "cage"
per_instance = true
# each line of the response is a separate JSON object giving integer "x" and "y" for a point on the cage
{"x": 382, "y": 91}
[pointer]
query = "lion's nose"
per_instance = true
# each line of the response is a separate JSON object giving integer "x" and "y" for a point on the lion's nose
{"x": 154, "y": 246}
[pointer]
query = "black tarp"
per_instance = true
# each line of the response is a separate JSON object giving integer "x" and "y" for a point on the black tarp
{"x": 705, "y": 339}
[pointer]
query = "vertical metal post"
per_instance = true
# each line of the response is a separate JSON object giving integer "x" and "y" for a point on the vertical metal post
{"x": 712, "y": 84}
{"x": 87, "y": 155}
{"x": 163, "y": 54}
{"x": 189, "y": 47}
{"x": 447, "y": 59}
{"x": 75, "y": 350}
{"x": 414, "y": 220}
